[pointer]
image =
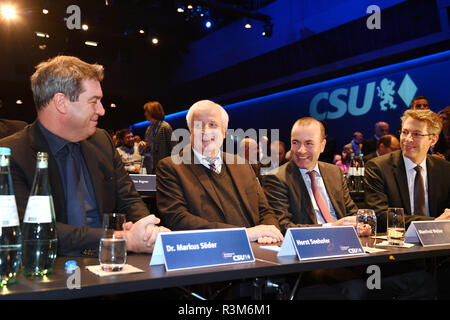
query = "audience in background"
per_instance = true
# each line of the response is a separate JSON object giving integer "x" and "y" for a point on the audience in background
{"x": 385, "y": 144}
{"x": 129, "y": 151}
{"x": 343, "y": 160}
{"x": 442, "y": 147}
{"x": 370, "y": 145}
{"x": 357, "y": 142}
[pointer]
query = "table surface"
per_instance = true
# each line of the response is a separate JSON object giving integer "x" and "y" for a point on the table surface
{"x": 266, "y": 264}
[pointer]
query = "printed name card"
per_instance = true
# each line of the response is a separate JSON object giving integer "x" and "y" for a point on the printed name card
{"x": 429, "y": 233}
{"x": 321, "y": 242}
{"x": 201, "y": 248}
{"x": 144, "y": 182}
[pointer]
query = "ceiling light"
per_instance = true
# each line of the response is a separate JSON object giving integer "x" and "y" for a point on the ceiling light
{"x": 190, "y": 7}
{"x": 155, "y": 41}
{"x": 42, "y": 46}
{"x": 267, "y": 30}
{"x": 44, "y": 11}
{"x": 42, "y": 34}
{"x": 141, "y": 31}
{"x": 113, "y": 105}
{"x": 180, "y": 10}
{"x": 8, "y": 12}
{"x": 208, "y": 24}
{"x": 91, "y": 43}
{"x": 84, "y": 27}
{"x": 248, "y": 25}
{"x": 19, "y": 101}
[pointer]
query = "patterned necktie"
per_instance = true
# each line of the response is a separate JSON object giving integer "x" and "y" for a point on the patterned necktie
{"x": 419, "y": 193}
{"x": 324, "y": 210}
{"x": 212, "y": 163}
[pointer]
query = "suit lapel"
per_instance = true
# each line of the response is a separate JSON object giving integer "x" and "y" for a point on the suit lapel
{"x": 303, "y": 200}
{"x": 399, "y": 173}
{"x": 432, "y": 175}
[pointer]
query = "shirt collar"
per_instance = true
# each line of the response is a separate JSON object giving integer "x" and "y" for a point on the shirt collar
{"x": 409, "y": 165}
{"x": 316, "y": 169}
{"x": 203, "y": 160}
{"x": 55, "y": 142}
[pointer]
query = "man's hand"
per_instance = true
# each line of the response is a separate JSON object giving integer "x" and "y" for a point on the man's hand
{"x": 141, "y": 236}
{"x": 364, "y": 230}
{"x": 345, "y": 221}
{"x": 445, "y": 215}
{"x": 264, "y": 234}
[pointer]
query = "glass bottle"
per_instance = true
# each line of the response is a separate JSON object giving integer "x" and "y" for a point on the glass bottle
{"x": 39, "y": 240}
{"x": 10, "y": 238}
{"x": 351, "y": 180}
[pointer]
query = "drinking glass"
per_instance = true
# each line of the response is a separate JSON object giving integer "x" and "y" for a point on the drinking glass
{"x": 369, "y": 217}
{"x": 396, "y": 226}
{"x": 112, "y": 253}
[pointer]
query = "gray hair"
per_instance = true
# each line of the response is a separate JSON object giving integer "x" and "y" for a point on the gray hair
{"x": 62, "y": 74}
{"x": 203, "y": 103}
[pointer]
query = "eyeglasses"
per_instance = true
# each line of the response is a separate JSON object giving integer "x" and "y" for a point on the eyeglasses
{"x": 415, "y": 135}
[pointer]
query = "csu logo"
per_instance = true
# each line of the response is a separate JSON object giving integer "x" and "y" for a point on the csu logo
{"x": 342, "y": 100}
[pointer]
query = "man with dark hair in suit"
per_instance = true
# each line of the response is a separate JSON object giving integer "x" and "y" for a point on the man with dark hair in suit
{"x": 203, "y": 187}
{"x": 386, "y": 144}
{"x": 86, "y": 173}
{"x": 370, "y": 145}
{"x": 410, "y": 178}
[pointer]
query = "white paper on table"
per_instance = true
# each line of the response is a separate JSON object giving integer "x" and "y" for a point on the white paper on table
{"x": 127, "y": 269}
{"x": 386, "y": 244}
{"x": 373, "y": 250}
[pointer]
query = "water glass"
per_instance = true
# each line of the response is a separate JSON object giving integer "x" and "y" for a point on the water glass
{"x": 395, "y": 226}
{"x": 112, "y": 249}
{"x": 369, "y": 217}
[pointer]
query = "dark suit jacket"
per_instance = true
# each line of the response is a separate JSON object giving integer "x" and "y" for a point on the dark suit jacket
{"x": 386, "y": 186}
{"x": 186, "y": 198}
{"x": 162, "y": 144}
{"x": 369, "y": 146}
{"x": 114, "y": 190}
{"x": 8, "y": 127}
{"x": 288, "y": 196}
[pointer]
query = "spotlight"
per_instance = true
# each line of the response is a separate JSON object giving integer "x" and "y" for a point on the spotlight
{"x": 155, "y": 41}
{"x": 248, "y": 25}
{"x": 180, "y": 9}
{"x": 8, "y": 12}
{"x": 141, "y": 31}
{"x": 85, "y": 27}
{"x": 267, "y": 30}
{"x": 208, "y": 24}
{"x": 44, "y": 11}
{"x": 19, "y": 101}
{"x": 91, "y": 43}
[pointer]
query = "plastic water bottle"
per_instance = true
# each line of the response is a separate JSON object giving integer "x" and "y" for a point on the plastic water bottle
{"x": 10, "y": 238}
{"x": 39, "y": 240}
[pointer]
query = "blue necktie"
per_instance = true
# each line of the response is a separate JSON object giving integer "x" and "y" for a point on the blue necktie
{"x": 76, "y": 213}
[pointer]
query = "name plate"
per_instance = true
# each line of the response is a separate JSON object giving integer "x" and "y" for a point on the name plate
{"x": 180, "y": 250}
{"x": 428, "y": 233}
{"x": 144, "y": 182}
{"x": 321, "y": 242}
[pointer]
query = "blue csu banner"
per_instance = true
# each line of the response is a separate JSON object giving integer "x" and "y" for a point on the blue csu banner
{"x": 321, "y": 242}
{"x": 202, "y": 248}
{"x": 349, "y": 103}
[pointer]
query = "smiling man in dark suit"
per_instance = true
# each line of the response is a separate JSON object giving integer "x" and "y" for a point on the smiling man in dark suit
{"x": 205, "y": 188}
{"x": 292, "y": 191}
{"x": 410, "y": 178}
{"x": 86, "y": 173}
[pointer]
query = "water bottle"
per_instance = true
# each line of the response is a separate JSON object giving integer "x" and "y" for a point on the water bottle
{"x": 10, "y": 238}
{"x": 361, "y": 173}
{"x": 39, "y": 239}
{"x": 351, "y": 180}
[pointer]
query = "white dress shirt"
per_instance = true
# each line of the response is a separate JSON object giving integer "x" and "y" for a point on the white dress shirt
{"x": 411, "y": 175}
{"x": 217, "y": 162}
{"x": 323, "y": 192}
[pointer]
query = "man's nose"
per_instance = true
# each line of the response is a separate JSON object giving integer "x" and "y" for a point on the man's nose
{"x": 100, "y": 110}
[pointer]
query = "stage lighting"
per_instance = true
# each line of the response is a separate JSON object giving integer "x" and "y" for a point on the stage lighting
{"x": 208, "y": 24}
{"x": 8, "y": 12}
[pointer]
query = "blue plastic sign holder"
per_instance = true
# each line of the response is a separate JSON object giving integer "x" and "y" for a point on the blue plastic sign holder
{"x": 428, "y": 233}
{"x": 181, "y": 250}
{"x": 321, "y": 242}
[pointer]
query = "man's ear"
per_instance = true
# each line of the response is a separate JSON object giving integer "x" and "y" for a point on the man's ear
{"x": 61, "y": 102}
